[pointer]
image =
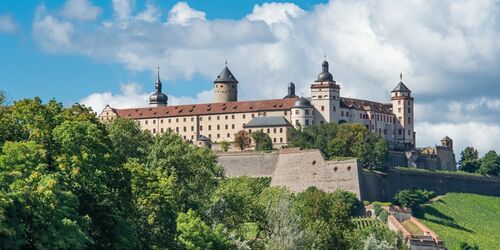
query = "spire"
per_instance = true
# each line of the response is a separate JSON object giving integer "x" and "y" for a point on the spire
{"x": 158, "y": 82}
{"x": 401, "y": 87}
{"x": 225, "y": 76}
{"x": 401, "y": 77}
{"x": 158, "y": 98}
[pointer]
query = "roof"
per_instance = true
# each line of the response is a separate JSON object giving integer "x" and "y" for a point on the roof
{"x": 206, "y": 109}
{"x": 302, "y": 103}
{"x": 350, "y": 103}
{"x": 267, "y": 121}
{"x": 446, "y": 138}
{"x": 225, "y": 76}
{"x": 401, "y": 87}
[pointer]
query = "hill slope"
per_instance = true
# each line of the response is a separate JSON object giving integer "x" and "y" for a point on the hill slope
{"x": 468, "y": 218}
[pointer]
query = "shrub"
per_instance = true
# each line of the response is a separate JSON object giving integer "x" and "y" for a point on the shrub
{"x": 377, "y": 208}
{"x": 412, "y": 198}
{"x": 383, "y": 216}
{"x": 224, "y": 145}
{"x": 466, "y": 246}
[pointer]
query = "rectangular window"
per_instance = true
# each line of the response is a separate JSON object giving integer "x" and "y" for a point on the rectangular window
{"x": 281, "y": 130}
{"x": 154, "y": 131}
{"x": 244, "y": 116}
{"x": 409, "y": 110}
{"x": 200, "y": 118}
{"x": 268, "y": 130}
{"x": 249, "y": 131}
{"x": 334, "y": 109}
{"x": 400, "y": 132}
{"x": 307, "y": 122}
{"x": 161, "y": 130}
{"x": 281, "y": 139}
{"x": 285, "y": 113}
{"x": 232, "y": 126}
{"x": 218, "y": 127}
{"x": 218, "y": 135}
{"x": 146, "y": 122}
{"x": 321, "y": 122}
{"x": 226, "y": 117}
{"x": 218, "y": 118}
{"x": 408, "y": 132}
{"x": 385, "y": 131}
{"x": 253, "y": 115}
{"x": 209, "y": 118}
{"x": 408, "y": 120}
{"x": 399, "y": 110}
{"x": 176, "y": 119}
{"x": 192, "y": 128}
{"x": 322, "y": 108}
{"x": 341, "y": 113}
{"x": 232, "y": 116}
{"x": 297, "y": 123}
{"x": 209, "y": 127}
{"x": 177, "y": 129}
{"x": 192, "y": 119}
{"x": 296, "y": 112}
{"x": 201, "y": 128}
{"x": 161, "y": 121}
{"x": 307, "y": 111}
{"x": 169, "y": 120}
{"x": 274, "y": 130}
{"x": 184, "y": 128}
{"x": 228, "y": 135}
{"x": 274, "y": 140}
{"x": 226, "y": 126}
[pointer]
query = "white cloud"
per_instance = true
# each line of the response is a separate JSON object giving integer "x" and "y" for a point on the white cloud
{"x": 81, "y": 10}
{"x": 132, "y": 95}
{"x": 469, "y": 133}
{"x": 182, "y": 13}
{"x": 7, "y": 24}
{"x": 448, "y": 51}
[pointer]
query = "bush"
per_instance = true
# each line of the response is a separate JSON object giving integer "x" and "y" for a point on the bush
{"x": 377, "y": 208}
{"x": 466, "y": 246}
{"x": 383, "y": 216}
{"x": 262, "y": 141}
{"x": 224, "y": 145}
{"x": 412, "y": 198}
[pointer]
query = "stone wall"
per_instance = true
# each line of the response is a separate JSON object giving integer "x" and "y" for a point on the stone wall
{"x": 383, "y": 187}
{"x": 295, "y": 169}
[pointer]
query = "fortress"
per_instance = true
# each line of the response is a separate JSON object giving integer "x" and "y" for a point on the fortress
{"x": 212, "y": 123}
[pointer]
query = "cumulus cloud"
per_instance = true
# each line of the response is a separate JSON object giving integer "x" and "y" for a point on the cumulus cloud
{"x": 81, "y": 10}
{"x": 7, "y": 24}
{"x": 182, "y": 13}
{"x": 132, "y": 95}
{"x": 448, "y": 51}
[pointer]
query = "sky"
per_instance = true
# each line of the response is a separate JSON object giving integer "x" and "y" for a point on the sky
{"x": 106, "y": 52}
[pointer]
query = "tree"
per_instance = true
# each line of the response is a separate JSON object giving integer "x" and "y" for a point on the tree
{"x": 129, "y": 141}
{"x": 469, "y": 160}
{"x": 490, "y": 164}
{"x": 224, "y": 145}
{"x": 242, "y": 139}
{"x": 336, "y": 148}
{"x": 37, "y": 210}
{"x": 262, "y": 141}
{"x": 372, "y": 243}
{"x": 194, "y": 234}
{"x": 467, "y": 246}
{"x": 412, "y": 198}
{"x": 284, "y": 229}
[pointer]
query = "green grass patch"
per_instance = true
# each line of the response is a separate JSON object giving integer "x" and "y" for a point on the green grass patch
{"x": 421, "y": 170}
{"x": 467, "y": 218}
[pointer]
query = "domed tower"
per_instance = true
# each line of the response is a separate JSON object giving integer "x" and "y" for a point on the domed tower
{"x": 447, "y": 142}
{"x": 302, "y": 113}
{"x": 402, "y": 107}
{"x": 325, "y": 97}
{"x": 291, "y": 91}
{"x": 226, "y": 86}
{"x": 158, "y": 98}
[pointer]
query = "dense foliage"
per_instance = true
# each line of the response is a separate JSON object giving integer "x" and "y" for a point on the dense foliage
{"x": 68, "y": 181}
{"x": 412, "y": 198}
{"x": 458, "y": 218}
{"x": 262, "y": 141}
{"x": 345, "y": 140}
{"x": 488, "y": 165}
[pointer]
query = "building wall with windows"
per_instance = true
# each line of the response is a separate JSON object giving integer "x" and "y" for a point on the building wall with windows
{"x": 222, "y": 119}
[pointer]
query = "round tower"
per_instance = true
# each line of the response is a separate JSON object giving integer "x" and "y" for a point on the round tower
{"x": 158, "y": 98}
{"x": 291, "y": 91}
{"x": 302, "y": 113}
{"x": 226, "y": 86}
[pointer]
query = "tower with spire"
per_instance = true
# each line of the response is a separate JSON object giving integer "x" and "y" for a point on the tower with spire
{"x": 226, "y": 86}
{"x": 402, "y": 107}
{"x": 325, "y": 96}
{"x": 158, "y": 98}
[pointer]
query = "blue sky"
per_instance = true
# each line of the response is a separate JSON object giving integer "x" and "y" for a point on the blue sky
{"x": 106, "y": 52}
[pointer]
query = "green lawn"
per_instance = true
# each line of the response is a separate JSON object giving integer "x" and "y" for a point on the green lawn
{"x": 465, "y": 218}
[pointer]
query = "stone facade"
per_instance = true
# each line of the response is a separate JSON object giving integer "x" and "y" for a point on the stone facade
{"x": 221, "y": 119}
{"x": 294, "y": 169}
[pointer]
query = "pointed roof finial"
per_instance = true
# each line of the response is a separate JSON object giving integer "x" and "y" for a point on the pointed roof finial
{"x": 225, "y": 62}
{"x": 324, "y": 55}
{"x": 158, "y": 73}
{"x": 401, "y": 77}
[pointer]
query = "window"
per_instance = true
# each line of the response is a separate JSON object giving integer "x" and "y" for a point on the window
{"x": 296, "y": 112}
{"x": 192, "y": 128}
{"x": 281, "y": 130}
{"x": 228, "y": 135}
{"x": 409, "y": 110}
{"x": 209, "y": 127}
{"x": 400, "y": 118}
{"x": 200, "y": 118}
{"x": 161, "y": 130}
{"x": 218, "y": 135}
{"x": 274, "y": 130}
{"x": 380, "y": 131}
{"x": 218, "y": 118}
{"x": 176, "y": 119}
{"x": 408, "y": 132}
{"x": 244, "y": 116}
{"x": 341, "y": 113}
{"x": 274, "y": 140}
{"x": 249, "y": 131}
{"x": 399, "y": 110}
{"x": 232, "y": 116}
{"x": 285, "y": 112}
{"x": 307, "y": 122}
{"x": 297, "y": 123}
{"x": 210, "y": 136}
{"x": 192, "y": 119}
{"x": 232, "y": 126}
{"x": 226, "y": 117}
{"x": 146, "y": 122}
{"x": 226, "y": 126}
{"x": 253, "y": 115}
{"x": 281, "y": 139}
{"x": 154, "y": 131}
{"x": 177, "y": 129}
{"x": 184, "y": 128}
{"x": 321, "y": 122}
{"x": 161, "y": 121}
{"x": 184, "y": 119}
{"x": 268, "y": 130}
{"x": 400, "y": 132}
{"x": 385, "y": 131}
{"x": 169, "y": 120}
{"x": 307, "y": 111}
{"x": 408, "y": 120}
{"x": 218, "y": 126}
{"x": 399, "y": 102}
{"x": 322, "y": 108}
{"x": 209, "y": 118}
{"x": 334, "y": 109}
{"x": 201, "y": 128}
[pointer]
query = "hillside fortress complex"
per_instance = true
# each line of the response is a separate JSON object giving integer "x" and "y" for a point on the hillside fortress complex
{"x": 220, "y": 120}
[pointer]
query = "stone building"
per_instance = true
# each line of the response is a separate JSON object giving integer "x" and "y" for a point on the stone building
{"x": 220, "y": 120}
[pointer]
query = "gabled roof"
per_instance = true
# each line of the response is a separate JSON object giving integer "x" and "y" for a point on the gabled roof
{"x": 351, "y": 103}
{"x": 225, "y": 76}
{"x": 267, "y": 121}
{"x": 401, "y": 87}
{"x": 207, "y": 109}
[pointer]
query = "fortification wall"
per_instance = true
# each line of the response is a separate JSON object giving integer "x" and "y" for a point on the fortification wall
{"x": 255, "y": 164}
{"x": 383, "y": 187}
{"x": 294, "y": 169}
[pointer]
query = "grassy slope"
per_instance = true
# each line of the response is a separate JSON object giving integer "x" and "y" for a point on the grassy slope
{"x": 465, "y": 218}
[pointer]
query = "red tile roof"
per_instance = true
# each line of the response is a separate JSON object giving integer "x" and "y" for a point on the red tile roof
{"x": 207, "y": 109}
{"x": 365, "y": 105}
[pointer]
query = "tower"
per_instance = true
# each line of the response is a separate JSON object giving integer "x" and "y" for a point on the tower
{"x": 447, "y": 142}
{"x": 302, "y": 113}
{"x": 325, "y": 97}
{"x": 402, "y": 107}
{"x": 291, "y": 91}
{"x": 158, "y": 98}
{"x": 226, "y": 86}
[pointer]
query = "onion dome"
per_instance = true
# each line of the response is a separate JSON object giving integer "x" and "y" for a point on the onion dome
{"x": 302, "y": 103}
{"x": 325, "y": 75}
{"x": 158, "y": 98}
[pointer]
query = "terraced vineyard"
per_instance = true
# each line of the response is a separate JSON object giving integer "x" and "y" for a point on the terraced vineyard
{"x": 465, "y": 218}
{"x": 366, "y": 222}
